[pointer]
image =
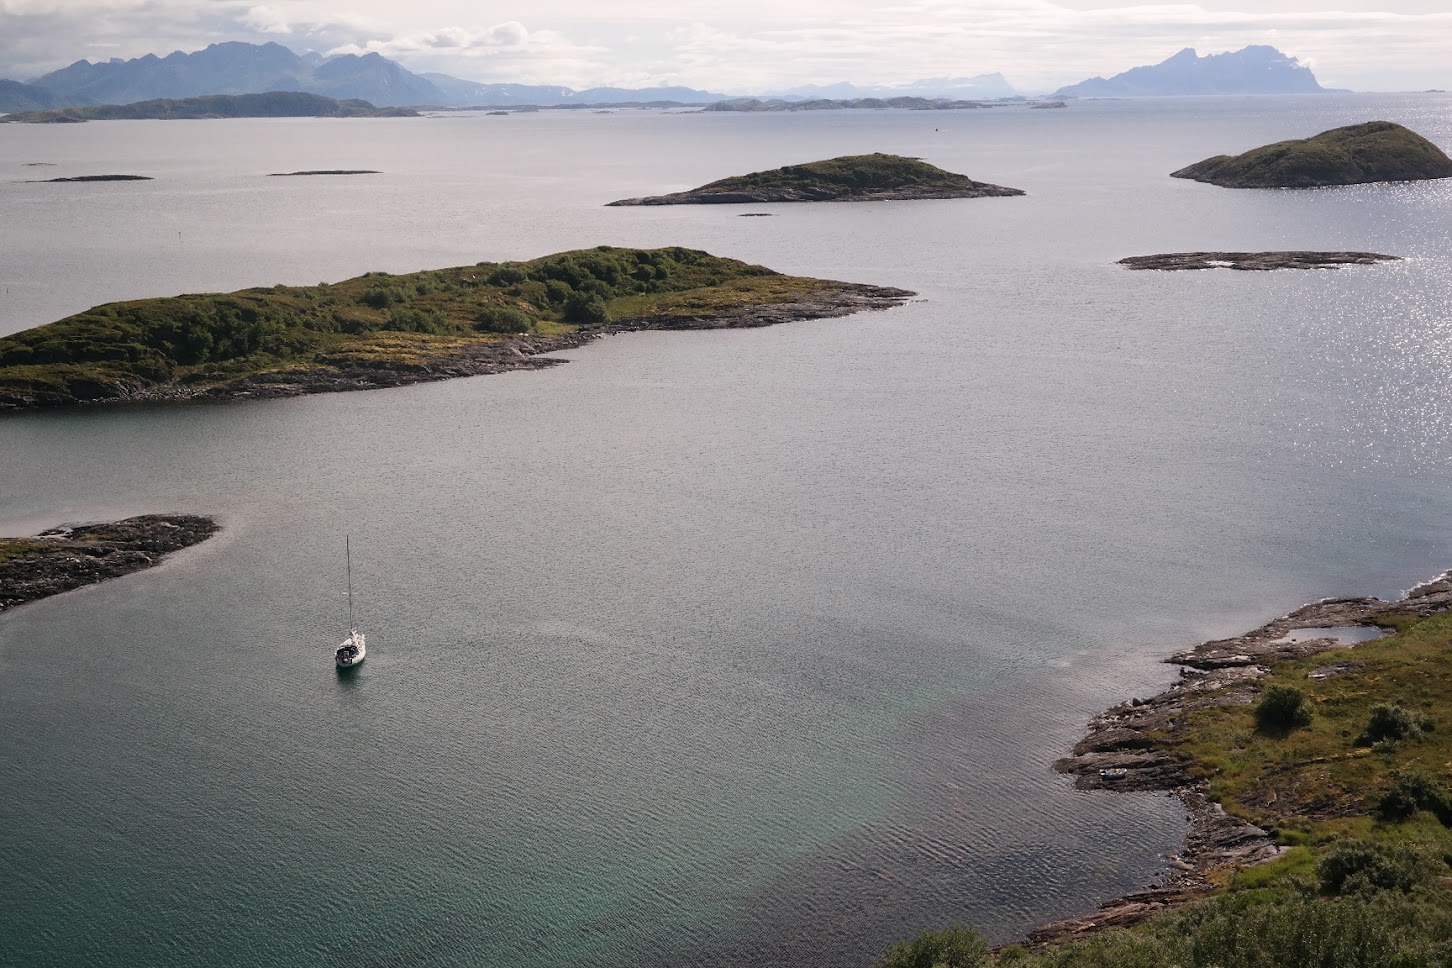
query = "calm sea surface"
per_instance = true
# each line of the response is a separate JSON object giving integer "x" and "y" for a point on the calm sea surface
{"x": 746, "y": 648}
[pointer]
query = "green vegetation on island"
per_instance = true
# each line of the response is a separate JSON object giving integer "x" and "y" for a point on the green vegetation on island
{"x": 850, "y": 178}
{"x": 276, "y": 104}
{"x": 1338, "y": 758}
{"x": 386, "y": 330}
{"x": 1377, "y": 151}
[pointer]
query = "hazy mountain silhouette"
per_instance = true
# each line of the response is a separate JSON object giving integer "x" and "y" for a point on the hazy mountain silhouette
{"x": 952, "y": 88}
{"x": 240, "y": 68}
{"x": 1253, "y": 70}
{"x": 15, "y": 96}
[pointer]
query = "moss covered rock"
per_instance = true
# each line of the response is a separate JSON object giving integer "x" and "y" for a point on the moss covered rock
{"x": 1377, "y": 151}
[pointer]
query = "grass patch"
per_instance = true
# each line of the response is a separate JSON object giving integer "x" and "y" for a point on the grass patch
{"x": 1321, "y": 780}
{"x": 18, "y": 547}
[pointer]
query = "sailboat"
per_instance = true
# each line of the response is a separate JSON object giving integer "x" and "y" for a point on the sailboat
{"x": 355, "y": 647}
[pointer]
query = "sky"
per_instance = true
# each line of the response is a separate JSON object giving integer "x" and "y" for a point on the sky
{"x": 753, "y": 46}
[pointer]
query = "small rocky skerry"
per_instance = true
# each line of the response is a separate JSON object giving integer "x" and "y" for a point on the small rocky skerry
{"x": 67, "y": 558}
{"x": 1133, "y": 746}
{"x": 1254, "y": 261}
{"x": 325, "y": 171}
{"x": 1358, "y": 154}
{"x": 851, "y": 178}
{"x": 96, "y": 178}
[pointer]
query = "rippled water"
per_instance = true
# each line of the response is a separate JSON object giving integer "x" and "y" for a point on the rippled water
{"x": 707, "y": 648}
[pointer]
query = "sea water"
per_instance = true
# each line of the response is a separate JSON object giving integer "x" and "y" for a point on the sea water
{"x": 705, "y": 648}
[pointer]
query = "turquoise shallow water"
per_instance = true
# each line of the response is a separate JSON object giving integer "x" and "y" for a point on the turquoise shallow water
{"x": 706, "y": 648}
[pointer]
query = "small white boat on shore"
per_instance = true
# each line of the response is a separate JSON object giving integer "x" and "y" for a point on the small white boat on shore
{"x": 355, "y": 647}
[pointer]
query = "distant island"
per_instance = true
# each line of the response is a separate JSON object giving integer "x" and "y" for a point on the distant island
{"x": 1252, "y": 70}
{"x": 274, "y": 104}
{"x": 1254, "y": 261}
{"x": 850, "y": 178}
{"x": 381, "y": 330}
{"x": 325, "y": 171}
{"x": 1377, "y": 151}
{"x": 904, "y": 103}
{"x": 66, "y": 558}
{"x": 95, "y": 178}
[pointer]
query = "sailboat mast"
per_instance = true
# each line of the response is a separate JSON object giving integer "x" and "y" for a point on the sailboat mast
{"x": 348, "y": 553}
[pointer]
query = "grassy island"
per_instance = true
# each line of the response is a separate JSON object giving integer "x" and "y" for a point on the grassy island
{"x": 1318, "y": 774}
{"x": 1378, "y": 151}
{"x": 275, "y": 104}
{"x": 850, "y": 178}
{"x": 387, "y": 330}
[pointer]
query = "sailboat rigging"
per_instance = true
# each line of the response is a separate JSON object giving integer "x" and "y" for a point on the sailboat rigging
{"x": 354, "y": 648}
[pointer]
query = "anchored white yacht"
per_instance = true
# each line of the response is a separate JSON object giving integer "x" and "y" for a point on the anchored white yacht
{"x": 355, "y": 647}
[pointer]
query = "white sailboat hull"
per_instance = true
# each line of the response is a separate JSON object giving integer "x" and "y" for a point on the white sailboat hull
{"x": 353, "y": 651}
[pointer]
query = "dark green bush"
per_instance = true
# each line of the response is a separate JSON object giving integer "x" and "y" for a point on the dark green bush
{"x": 1365, "y": 867}
{"x": 502, "y": 319}
{"x": 1411, "y": 792}
{"x": 507, "y": 275}
{"x": 950, "y": 948}
{"x": 586, "y": 309}
{"x": 533, "y": 292}
{"x": 1391, "y": 722}
{"x": 1282, "y": 709}
{"x": 410, "y": 320}
{"x": 381, "y": 297}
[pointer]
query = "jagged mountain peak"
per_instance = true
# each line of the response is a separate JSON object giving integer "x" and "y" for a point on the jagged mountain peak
{"x": 1257, "y": 69}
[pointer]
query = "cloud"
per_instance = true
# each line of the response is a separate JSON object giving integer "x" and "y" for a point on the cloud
{"x": 751, "y": 45}
{"x": 265, "y": 20}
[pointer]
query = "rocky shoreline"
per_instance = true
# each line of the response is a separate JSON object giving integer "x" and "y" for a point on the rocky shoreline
{"x": 1254, "y": 261}
{"x": 523, "y": 352}
{"x": 1132, "y": 747}
{"x": 810, "y": 193}
{"x": 66, "y": 558}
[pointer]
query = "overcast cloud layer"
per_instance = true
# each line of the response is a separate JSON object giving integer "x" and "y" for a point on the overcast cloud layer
{"x": 755, "y": 45}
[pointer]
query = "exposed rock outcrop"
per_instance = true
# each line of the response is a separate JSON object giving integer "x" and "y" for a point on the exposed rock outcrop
{"x": 1255, "y": 261}
{"x": 65, "y": 558}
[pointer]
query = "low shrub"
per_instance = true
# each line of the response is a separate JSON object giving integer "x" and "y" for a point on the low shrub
{"x": 1282, "y": 709}
{"x": 1411, "y": 792}
{"x": 502, "y": 319}
{"x": 507, "y": 275}
{"x": 1392, "y": 722}
{"x": 585, "y": 308}
{"x": 1365, "y": 867}
{"x": 410, "y": 320}
{"x": 381, "y": 297}
{"x": 950, "y": 948}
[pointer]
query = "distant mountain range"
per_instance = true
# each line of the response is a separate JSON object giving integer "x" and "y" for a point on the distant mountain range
{"x": 238, "y": 68}
{"x": 1253, "y": 70}
{"x": 979, "y": 87}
